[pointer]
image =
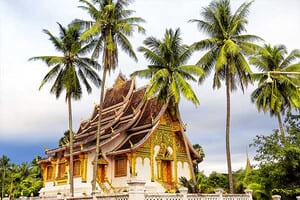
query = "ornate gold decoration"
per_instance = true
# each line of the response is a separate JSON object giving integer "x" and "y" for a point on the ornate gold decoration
{"x": 164, "y": 153}
{"x": 119, "y": 82}
{"x": 102, "y": 161}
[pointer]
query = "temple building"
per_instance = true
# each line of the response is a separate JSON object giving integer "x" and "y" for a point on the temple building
{"x": 142, "y": 139}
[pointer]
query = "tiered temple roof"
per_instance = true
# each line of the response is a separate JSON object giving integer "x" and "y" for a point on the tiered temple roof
{"x": 124, "y": 112}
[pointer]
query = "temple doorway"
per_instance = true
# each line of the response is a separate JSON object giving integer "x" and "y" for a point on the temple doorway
{"x": 166, "y": 171}
{"x": 101, "y": 173}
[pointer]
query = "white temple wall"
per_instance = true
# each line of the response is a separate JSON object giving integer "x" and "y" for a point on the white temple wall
{"x": 109, "y": 169}
{"x": 120, "y": 181}
{"x": 156, "y": 150}
{"x": 183, "y": 170}
{"x": 143, "y": 170}
{"x": 91, "y": 156}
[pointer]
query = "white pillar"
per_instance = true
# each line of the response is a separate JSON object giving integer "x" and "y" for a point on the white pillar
{"x": 219, "y": 191}
{"x": 136, "y": 189}
{"x": 184, "y": 192}
{"x": 249, "y": 192}
{"x": 276, "y": 197}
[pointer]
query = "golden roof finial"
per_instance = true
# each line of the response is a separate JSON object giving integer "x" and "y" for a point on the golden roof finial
{"x": 248, "y": 165}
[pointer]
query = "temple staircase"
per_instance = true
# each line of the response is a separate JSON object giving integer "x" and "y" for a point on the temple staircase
{"x": 107, "y": 187}
{"x": 170, "y": 187}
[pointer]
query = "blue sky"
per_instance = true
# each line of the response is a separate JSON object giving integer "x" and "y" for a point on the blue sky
{"x": 30, "y": 118}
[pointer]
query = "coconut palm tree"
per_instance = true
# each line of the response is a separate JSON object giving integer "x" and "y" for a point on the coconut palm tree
{"x": 279, "y": 93}
{"x": 4, "y": 167}
{"x": 110, "y": 27}
{"x": 70, "y": 70}
{"x": 168, "y": 72}
{"x": 227, "y": 46}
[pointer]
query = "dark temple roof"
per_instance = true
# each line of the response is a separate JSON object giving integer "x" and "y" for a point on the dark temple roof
{"x": 124, "y": 111}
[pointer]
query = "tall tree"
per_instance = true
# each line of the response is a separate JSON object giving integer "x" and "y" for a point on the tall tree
{"x": 280, "y": 92}
{"x": 167, "y": 72}
{"x": 226, "y": 47}
{"x": 279, "y": 164}
{"x": 110, "y": 27}
{"x": 69, "y": 71}
{"x": 4, "y": 167}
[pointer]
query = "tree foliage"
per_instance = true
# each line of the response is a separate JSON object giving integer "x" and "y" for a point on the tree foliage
{"x": 20, "y": 180}
{"x": 71, "y": 69}
{"x": 280, "y": 164}
{"x": 168, "y": 72}
{"x": 281, "y": 93}
{"x": 111, "y": 25}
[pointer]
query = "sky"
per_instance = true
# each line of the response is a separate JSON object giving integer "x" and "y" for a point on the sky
{"x": 31, "y": 119}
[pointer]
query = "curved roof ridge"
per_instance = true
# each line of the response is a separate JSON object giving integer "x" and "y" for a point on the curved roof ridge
{"x": 118, "y": 113}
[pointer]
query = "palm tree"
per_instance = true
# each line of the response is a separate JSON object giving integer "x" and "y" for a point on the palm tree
{"x": 111, "y": 24}
{"x": 64, "y": 139}
{"x": 69, "y": 70}
{"x": 281, "y": 93}
{"x": 226, "y": 49}
{"x": 167, "y": 72}
{"x": 4, "y": 167}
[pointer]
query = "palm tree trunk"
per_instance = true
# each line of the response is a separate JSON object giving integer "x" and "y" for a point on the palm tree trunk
{"x": 186, "y": 146}
{"x": 228, "y": 85}
{"x": 98, "y": 132}
{"x": 71, "y": 146}
{"x": 281, "y": 128}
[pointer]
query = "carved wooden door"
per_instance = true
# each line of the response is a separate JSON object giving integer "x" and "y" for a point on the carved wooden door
{"x": 101, "y": 173}
{"x": 169, "y": 172}
{"x": 166, "y": 171}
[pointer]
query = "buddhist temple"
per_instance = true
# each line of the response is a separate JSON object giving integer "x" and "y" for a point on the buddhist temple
{"x": 139, "y": 138}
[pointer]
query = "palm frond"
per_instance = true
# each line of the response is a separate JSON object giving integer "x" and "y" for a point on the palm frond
{"x": 55, "y": 41}
{"x": 50, "y": 75}
{"x": 192, "y": 69}
{"x": 290, "y": 58}
{"x": 186, "y": 89}
{"x": 126, "y": 45}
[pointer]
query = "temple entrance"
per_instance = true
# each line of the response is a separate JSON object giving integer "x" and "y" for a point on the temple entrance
{"x": 101, "y": 173}
{"x": 166, "y": 171}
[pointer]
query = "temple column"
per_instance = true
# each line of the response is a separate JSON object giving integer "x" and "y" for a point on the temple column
{"x": 175, "y": 180}
{"x": 53, "y": 163}
{"x": 132, "y": 161}
{"x": 83, "y": 165}
{"x": 152, "y": 159}
{"x": 158, "y": 163}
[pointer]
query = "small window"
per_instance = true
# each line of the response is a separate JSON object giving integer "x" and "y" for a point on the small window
{"x": 61, "y": 170}
{"x": 120, "y": 166}
{"x": 49, "y": 173}
{"x": 77, "y": 166}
